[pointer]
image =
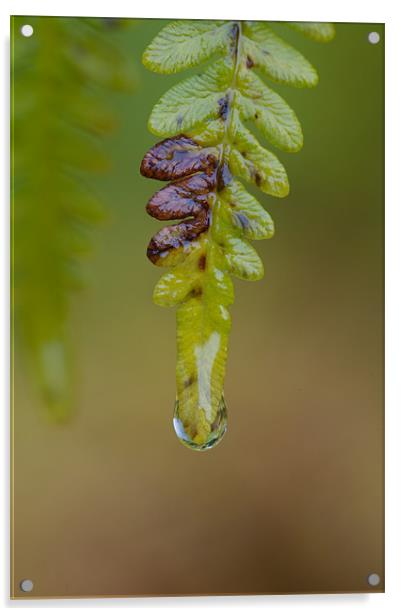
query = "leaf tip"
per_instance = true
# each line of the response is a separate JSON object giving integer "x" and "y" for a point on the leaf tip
{"x": 330, "y": 33}
{"x": 285, "y": 191}
{"x": 297, "y": 143}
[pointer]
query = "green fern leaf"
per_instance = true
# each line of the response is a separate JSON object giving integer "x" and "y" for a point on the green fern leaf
{"x": 275, "y": 58}
{"x": 183, "y": 44}
{"x": 208, "y": 145}
{"x": 317, "y": 31}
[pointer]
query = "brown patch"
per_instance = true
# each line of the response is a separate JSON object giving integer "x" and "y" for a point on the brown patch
{"x": 241, "y": 220}
{"x": 234, "y": 31}
{"x": 177, "y": 157}
{"x": 256, "y": 116}
{"x": 258, "y": 178}
{"x": 195, "y": 175}
{"x": 196, "y": 292}
{"x": 189, "y": 381}
{"x": 186, "y": 197}
{"x": 176, "y": 236}
{"x": 249, "y": 62}
{"x": 223, "y": 107}
{"x": 202, "y": 262}
{"x": 234, "y": 40}
{"x": 224, "y": 176}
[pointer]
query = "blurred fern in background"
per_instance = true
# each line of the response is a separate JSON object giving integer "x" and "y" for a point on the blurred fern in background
{"x": 59, "y": 77}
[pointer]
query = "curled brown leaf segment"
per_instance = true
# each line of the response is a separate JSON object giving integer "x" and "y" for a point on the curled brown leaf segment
{"x": 195, "y": 174}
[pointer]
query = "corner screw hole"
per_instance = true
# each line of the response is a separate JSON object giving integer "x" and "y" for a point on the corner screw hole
{"x": 374, "y": 38}
{"x": 26, "y": 585}
{"x": 27, "y": 30}
{"x": 373, "y": 579}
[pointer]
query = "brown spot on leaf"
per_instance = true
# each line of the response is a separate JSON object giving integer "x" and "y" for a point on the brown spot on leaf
{"x": 196, "y": 292}
{"x": 202, "y": 262}
{"x": 241, "y": 220}
{"x": 234, "y": 34}
{"x": 258, "y": 178}
{"x": 249, "y": 62}
{"x": 189, "y": 381}
{"x": 223, "y": 107}
{"x": 224, "y": 176}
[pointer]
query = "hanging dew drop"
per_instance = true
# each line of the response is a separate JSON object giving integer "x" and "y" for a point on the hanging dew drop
{"x": 201, "y": 442}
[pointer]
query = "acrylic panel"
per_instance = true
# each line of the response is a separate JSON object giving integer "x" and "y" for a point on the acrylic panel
{"x": 197, "y": 307}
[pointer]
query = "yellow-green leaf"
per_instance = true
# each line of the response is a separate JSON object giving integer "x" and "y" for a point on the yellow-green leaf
{"x": 320, "y": 32}
{"x": 276, "y": 58}
{"x": 253, "y": 163}
{"x": 182, "y": 44}
{"x": 271, "y": 114}
{"x": 246, "y": 212}
{"x": 193, "y": 101}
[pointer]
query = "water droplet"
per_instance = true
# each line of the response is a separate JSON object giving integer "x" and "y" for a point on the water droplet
{"x": 214, "y": 437}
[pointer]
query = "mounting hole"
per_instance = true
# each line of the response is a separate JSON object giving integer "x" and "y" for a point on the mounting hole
{"x": 27, "y": 30}
{"x": 373, "y": 37}
{"x": 26, "y": 585}
{"x": 373, "y": 579}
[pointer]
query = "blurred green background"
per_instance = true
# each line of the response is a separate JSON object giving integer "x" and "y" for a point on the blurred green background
{"x": 108, "y": 502}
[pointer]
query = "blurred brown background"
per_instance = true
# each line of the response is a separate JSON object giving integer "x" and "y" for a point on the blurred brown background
{"x": 110, "y": 503}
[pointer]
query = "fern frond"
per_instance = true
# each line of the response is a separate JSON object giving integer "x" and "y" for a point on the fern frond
{"x": 59, "y": 122}
{"x": 208, "y": 145}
